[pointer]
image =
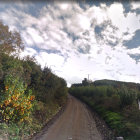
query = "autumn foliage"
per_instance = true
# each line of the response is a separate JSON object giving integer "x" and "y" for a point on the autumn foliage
{"x": 15, "y": 105}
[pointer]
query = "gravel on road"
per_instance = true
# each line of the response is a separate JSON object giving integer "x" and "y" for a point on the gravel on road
{"x": 75, "y": 123}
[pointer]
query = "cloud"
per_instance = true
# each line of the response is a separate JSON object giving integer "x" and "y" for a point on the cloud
{"x": 76, "y": 39}
{"x": 107, "y": 33}
{"x": 135, "y": 56}
{"x": 135, "y": 7}
{"x": 50, "y": 59}
{"x": 129, "y": 23}
{"x": 134, "y": 42}
{"x": 35, "y": 35}
{"x": 28, "y": 51}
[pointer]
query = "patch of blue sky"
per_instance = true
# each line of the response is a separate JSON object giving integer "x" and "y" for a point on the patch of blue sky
{"x": 134, "y": 42}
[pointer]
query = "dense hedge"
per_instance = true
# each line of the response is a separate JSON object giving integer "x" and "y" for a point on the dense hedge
{"x": 117, "y": 106}
{"x": 29, "y": 95}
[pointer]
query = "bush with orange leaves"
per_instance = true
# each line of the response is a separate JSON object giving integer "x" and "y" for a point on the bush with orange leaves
{"x": 16, "y": 105}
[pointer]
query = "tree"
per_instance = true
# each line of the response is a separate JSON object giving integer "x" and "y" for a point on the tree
{"x": 85, "y": 82}
{"x": 10, "y": 41}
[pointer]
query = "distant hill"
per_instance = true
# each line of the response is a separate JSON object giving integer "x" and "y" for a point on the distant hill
{"x": 106, "y": 82}
{"x": 115, "y": 83}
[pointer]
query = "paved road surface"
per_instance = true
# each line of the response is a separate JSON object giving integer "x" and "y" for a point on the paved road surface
{"x": 76, "y": 123}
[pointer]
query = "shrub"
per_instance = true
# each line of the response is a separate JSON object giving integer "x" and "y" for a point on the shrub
{"x": 15, "y": 104}
{"x": 112, "y": 103}
{"x": 132, "y": 113}
{"x": 127, "y": 96}
{"x": 130, "y": 129}
{"x": 113, "y": 118}
{"x": 117, "y": 106}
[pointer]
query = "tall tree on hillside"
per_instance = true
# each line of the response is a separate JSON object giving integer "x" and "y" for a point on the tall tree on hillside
{"x": 10, "y": 41}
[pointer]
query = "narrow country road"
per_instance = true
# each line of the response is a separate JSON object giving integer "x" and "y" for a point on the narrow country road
{"x": 76, "y": 123}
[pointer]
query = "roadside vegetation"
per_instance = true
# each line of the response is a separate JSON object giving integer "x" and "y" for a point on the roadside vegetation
{"x": 116, "y": 102}
{"x": 29, "y": 95}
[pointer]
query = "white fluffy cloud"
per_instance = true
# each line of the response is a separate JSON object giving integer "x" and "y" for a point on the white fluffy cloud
{"x": 135, "y": 5}
{"x": 50, "y": 59}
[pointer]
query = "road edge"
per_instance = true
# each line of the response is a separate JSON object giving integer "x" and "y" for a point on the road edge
{"x": 102, "y": 127}
{"x": 49, "y": 123}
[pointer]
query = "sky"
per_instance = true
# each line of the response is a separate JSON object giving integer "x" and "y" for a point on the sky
{"x": 77, "y": 39}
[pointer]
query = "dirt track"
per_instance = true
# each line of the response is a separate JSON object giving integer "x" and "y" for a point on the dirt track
{"x": 76, "y": 123}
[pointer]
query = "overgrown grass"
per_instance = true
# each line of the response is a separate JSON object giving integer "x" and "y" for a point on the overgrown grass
{"x": 40, "y": 116}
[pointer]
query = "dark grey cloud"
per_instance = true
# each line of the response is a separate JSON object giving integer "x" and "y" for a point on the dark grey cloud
{"x": 134, "y": 42}
{"x": 111, "y": 43}
{"x": 86, "y": 33}
{"x": 126, "y": 33}
{"x": 84, "y": 49}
